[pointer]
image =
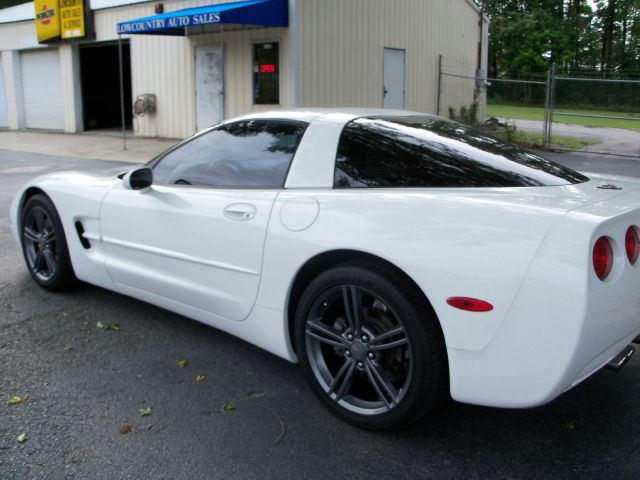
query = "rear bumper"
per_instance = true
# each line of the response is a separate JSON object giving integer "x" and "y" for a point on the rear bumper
{"x": 517, "y": 374}
{"x": 563, "y": 326}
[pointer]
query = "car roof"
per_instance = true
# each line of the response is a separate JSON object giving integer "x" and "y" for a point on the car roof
{"x": 339, "y": 115}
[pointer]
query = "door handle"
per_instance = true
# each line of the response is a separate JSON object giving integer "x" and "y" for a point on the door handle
{"x": 240, "y": 211}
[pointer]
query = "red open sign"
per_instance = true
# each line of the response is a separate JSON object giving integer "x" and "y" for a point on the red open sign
{"x": 267, "y": 68}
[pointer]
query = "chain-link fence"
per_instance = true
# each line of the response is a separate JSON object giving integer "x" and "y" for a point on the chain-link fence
{"x": 460, "y": 92}
{"x": 572, "y": 113}
{"x": 513, "y": 106}
{"x": 599, "y": 96}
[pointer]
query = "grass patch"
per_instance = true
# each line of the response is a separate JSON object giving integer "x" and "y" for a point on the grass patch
{"x": 536, "y": 140}
{"x": 537, "y": 113}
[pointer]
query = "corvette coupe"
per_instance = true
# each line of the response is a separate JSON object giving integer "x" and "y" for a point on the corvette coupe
{"x": 398, "y": 257}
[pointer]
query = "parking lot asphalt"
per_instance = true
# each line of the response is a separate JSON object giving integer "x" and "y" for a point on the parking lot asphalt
{"x": 252, "y": 416}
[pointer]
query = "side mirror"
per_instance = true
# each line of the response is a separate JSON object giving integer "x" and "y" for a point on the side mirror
{"x": 138, "y": 179}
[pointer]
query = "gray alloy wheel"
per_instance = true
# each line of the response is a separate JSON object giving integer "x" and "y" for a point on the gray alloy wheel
{"x": 370, "y": 345}
{"x": 358, "y": 350}
{"x": 39, "y": 243}
{"x": 44, "y": 245}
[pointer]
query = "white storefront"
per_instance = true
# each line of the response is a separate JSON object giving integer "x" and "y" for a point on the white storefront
{"x": 328, "y": 53}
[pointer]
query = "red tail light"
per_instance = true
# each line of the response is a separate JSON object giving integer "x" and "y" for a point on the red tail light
{"x": 602, "y": 257}
{"x": 632, "y": 244}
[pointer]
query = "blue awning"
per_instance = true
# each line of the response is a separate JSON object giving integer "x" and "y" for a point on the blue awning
{"x": 265, "y": 13}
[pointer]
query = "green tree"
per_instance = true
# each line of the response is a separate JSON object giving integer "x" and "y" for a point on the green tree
{"x": 10, "y": 3}
{"x": 619, "y": 24}
{"x": 528, "y": 36}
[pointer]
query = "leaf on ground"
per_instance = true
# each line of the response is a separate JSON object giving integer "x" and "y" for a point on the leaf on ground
{"x": 569, "y": 425}
{"x": 124, "y": 429}
{"x": 22, "y": 437}
{"x": 200, "y": 378}
{"x": 68, "y": 348}
{"x": 16, "y": 400}
{"x": 182, "y": 363}
{"x": 65, "y": 313}
{"x": 227, "y": 407}
{"x": 145, "y": 412}
{"x": 108, "y": 326}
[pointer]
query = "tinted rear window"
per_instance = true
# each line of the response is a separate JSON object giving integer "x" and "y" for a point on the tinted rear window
{"x": 421, "y": 151}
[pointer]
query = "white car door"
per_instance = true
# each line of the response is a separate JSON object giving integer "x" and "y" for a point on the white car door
{"x": 197, "y": 236}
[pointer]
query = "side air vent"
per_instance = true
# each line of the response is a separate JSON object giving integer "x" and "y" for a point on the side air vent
{"x": 80, "y": 229}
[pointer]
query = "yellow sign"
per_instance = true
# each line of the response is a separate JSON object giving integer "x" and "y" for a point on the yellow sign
{"x": 72, "y": 18}
{"x": 47, "y": 19}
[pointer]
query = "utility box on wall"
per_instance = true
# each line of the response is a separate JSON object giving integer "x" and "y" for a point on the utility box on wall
{"x": 145, "y": 104}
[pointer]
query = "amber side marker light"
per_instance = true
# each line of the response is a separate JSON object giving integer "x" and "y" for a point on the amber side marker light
{"x": 602, "y": 258}
{"x": 470, "y": 304}
{"x": 632, "y": 244}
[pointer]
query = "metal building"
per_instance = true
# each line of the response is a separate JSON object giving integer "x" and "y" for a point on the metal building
{"x": 200, "y": 61}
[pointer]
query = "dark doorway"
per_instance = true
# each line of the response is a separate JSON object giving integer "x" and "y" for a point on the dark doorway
{"x": 100, "y": 78}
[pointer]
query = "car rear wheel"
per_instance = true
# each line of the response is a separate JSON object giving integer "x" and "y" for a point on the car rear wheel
{"x": 370, "y": 346}
{"x": 44, "y": 245}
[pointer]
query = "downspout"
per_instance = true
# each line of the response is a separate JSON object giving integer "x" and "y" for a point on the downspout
{"x": 294, "y": 54}
{"x": 483, "y": 58}
{"x": 484, "y": 64}
{"x": 122, "y": 117}
{"x": 483, "y": 50}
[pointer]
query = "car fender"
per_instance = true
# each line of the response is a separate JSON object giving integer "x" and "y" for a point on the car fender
{"x": 77, "y": 197}
{"x": 485, "y": 253}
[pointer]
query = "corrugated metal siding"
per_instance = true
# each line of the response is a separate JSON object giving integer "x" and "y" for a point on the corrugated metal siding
{"x": 342, "y": 45}
{"x": 158, "y": 65}
{"x": 165, "y": 66}
{"x": 341, "y": 57}
{"x": 105, "y": 20}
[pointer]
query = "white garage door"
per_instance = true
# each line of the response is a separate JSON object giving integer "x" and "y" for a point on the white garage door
{"x": 42, "y": 89}
{"x": 4, "y": 120}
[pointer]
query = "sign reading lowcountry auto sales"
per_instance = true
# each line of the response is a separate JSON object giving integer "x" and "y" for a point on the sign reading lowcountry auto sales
{"x": 142, "y": 25}
{"x": 72, "y": 18}
{"x": 47, "y": 19}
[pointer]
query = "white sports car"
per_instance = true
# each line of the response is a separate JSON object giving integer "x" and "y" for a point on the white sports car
{"x": 397, "y": 256}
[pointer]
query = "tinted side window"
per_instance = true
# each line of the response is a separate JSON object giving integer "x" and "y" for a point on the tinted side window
{"x": 252, "y": 153}
{"x": 432, "y": 152}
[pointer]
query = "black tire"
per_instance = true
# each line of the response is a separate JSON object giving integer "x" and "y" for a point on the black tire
{"x": 363, "y": 378}
{"x": 44, "y": 245}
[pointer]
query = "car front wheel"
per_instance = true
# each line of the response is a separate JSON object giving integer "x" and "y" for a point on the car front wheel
{"x": 370, "y": 346}
{"x": 44, "y": 245}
